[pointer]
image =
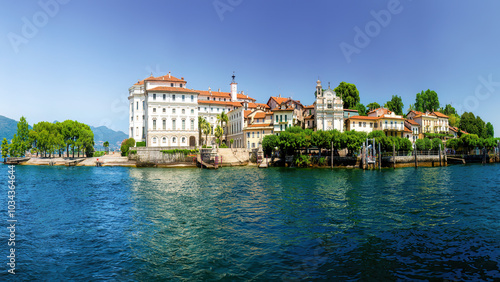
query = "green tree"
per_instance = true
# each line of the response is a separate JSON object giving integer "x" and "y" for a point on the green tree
{"x": 219, "y": 132}
{"x": 427, "y": 101}
{"x": 454, "y": 120}
{"x": 349, "y": 94}
{"x": 454, "y": 143}
{"x": 321, "y": 139}
{"x": 448, "y": 110}
{"x": 420, "y": 143}
{"x": 201, "y": 125}
{"x": 427, "y": 143}
{"x": 269, "y": 142}
{"x": 5, "y": 148}
{"x": 223, "y": 119}
{"x": 361, "y": 109}
{"x": 372, "y": 106}
{"x": 126, "y": 144}
{"x": 206, "y": 128}
{"x": 231, "y": 141}
{"x": 20, "y": 142}
{"x": 353, "y": 141}
{"x": 490, "y": 131}
{"x": 469, "y": 141}
{"x": 435, "y": 144}
{"x": 405, "y": 144}
{"x": 106, "y": 145}
{"x": 395, "y": 104}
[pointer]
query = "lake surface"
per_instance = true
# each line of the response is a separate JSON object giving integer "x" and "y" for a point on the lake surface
{"x": 233, "y": 224}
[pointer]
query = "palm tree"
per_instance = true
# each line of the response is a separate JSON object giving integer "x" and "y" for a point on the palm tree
{"x": 206, "y": 130}
{"x": 201, "y": 124}
{"x": 223, "y": 118}
{"x": 219, "y": 131}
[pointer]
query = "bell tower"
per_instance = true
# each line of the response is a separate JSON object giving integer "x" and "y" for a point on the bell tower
{"x": 234, "y": 89}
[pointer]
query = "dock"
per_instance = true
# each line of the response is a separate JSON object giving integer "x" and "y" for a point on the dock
{"x": 204, "y": 164}
{"x": 73, "y": 162}
{"x": 15, "y": 161}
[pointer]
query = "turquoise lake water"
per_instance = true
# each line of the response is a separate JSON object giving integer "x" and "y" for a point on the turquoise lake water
{"x": 235, "y": 224}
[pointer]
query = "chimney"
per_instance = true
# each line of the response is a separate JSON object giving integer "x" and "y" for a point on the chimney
{"x": 218, "y": 90}
{"x": 279, "y": 95}
{"x": 168, "y": 74}
{"x": 182, "y": 78}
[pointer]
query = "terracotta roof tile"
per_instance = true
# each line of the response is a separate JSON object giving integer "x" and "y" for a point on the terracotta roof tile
{"x": 172, "y": 89}
{"x": 167, "y": 78}
{"x": 412, "y": 122}
{"x": 225, "y": 103}
{"x": 364, "y": 118}
{"x": 441, "y": 115}
{"x": 259, "y": 125}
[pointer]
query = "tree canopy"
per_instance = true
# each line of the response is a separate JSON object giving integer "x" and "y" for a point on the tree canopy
{"x": 395, "y": 104}
{"x": 372, "y": 106}
{"x": 426, "y": 101}
{"x": 361, "y": 109}
{"x": 349, "y": 94}
{"x": 475, "y": 125}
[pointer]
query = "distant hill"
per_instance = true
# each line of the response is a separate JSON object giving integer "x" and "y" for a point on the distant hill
{"x": 102, "y": 134}
{"x": 8, "y": 127}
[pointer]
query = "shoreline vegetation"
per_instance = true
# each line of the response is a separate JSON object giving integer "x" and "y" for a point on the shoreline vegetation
{"x": 61, "y": 144}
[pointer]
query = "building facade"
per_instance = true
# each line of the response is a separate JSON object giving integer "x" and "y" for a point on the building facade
{"x": 329, "y": 109}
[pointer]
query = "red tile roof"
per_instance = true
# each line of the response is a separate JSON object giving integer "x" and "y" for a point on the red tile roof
{"x": 259, "y": 125}
{"x": 246, "y": 113}
{"x": 225, "y": 103}
{"x": 408, "y": 129}
{"x": 172, "y": 89}
{"x": 255, "y": 105}
{"x": 412, "y": 122}
{"x": 438, "y": 114}
{"x": 309, "y": 107}
{"x": 168, "y": 78}
{"x": 364, "y": 118}
{"x": 260, "y": 115}
{"x": 227, "y": 95}
{"x": 279, "y": 100}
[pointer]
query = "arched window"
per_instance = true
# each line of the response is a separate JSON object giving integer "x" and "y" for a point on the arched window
{"x": 183, "y": 139}
{"x": 154, "y": 140}
{"x": 164, "y": 140}
{"x": 174, "y": 140}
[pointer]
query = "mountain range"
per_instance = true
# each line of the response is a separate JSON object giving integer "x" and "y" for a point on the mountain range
{"x": 8, "y": 127}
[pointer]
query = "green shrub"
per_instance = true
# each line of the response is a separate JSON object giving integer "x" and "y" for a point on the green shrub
{"x": 132, "y": 152}
{"x": 206, "y": 147}
{"x": 302, "y": 161}
{"x": 322, "y": 161}
{"x": 183, "y": 151}
{"x": 99, "y": 154}
{"x": 140, "y": 144}
{"x": 126, "y": 144}
{"x": 223, "y": 145}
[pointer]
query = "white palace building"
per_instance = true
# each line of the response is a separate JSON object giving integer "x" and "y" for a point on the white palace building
{"x": 164, "y": 112}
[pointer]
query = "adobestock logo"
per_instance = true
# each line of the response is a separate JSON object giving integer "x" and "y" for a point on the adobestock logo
{"x": 223, "y": 6}
{"x": 372, "y": 29}
{"x": 484, "y": 90}
{"x": 30, "y": 28}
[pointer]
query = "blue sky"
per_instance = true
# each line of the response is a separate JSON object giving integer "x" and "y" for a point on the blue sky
{"x": 82, "y": 56}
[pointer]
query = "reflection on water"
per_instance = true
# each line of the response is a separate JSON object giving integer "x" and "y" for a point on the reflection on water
{"x": 258, "y": 224}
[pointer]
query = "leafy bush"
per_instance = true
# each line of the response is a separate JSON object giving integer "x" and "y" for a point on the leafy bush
{"x": 302, "y": 161}
{"x": 322, "y": 161}
{"x": 126, "y": 144}
{"x": 99, "y": 154}
{"x": 223, "y": 145}
{"x": 141, "y": 144}
{"x": 269, "y": 143}
{"x": 132, "y": 152}
{"x": 177, "y": 151}
{"x": 207, "y": 147}
{"x": 435, "y": 143}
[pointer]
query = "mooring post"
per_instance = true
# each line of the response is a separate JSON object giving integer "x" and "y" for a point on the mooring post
{"x": 363, "y": 155}
{"x": 439, "y": 154}
{"x": 394, "y": 156}
{"x": 331, "y": 159}
{"x": 415, "y": 151}
{"x": 445, "y": 158}
{"x": 379, "y": 157}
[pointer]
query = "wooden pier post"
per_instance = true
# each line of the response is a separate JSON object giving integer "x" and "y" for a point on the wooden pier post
{"x": 439, "y": 154}
{"x": 394, "y": 156}
{"x": 379, "y": 157}
{"x": 416, "y": 152}
{"x": 331, "y": 160}
{"x": 363, "y": 156}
